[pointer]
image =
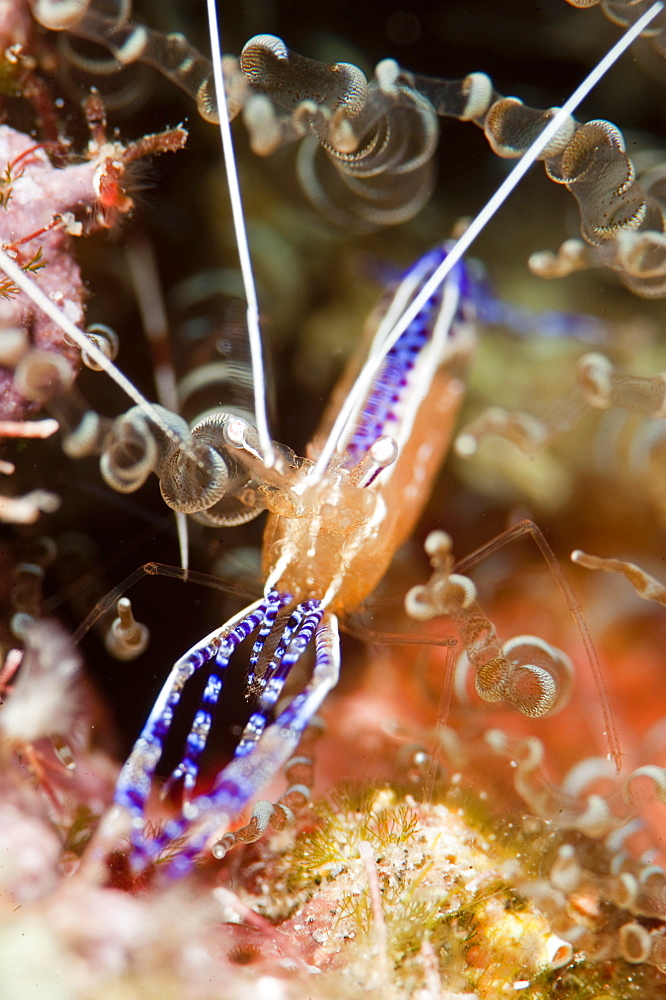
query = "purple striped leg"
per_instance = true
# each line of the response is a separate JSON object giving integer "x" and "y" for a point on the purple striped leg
{"x": 244, "y": 777}
{"x": 134, "y": 782}
{"x": 188, "y": 768}
{"x": 294, "y": 641}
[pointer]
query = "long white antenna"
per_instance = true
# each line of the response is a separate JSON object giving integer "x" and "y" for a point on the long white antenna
{"x": 372, "y": 366}
{"x": 30, "y": 287}
{"x": 254, "y": 333}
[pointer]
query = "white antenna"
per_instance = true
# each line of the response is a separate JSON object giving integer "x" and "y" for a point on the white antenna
{"x": 372, "y": 366}
{"x": 30, "y": 287}
{"x": 254, "y": 333}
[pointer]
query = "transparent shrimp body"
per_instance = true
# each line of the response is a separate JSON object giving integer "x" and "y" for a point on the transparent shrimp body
{"x": 300, "y": 541}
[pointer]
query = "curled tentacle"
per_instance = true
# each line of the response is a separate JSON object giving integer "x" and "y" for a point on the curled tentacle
{"x": 109, "y": 25}
{"x": 203, "y": 471}
{"x": 526, "y": 671}
{"x": 378, "y": 137}
{"x": 646, "y": 586}
{"x": 627, "y": 12}
{"x": 136, "y": 446}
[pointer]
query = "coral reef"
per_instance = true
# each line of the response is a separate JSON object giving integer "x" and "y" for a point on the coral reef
{"x": 478, "y": 851}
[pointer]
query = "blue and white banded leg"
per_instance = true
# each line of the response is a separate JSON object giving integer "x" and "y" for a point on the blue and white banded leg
{"x": 265, "y": 748}
{"x": 243, "y": 778}
{"x": 195, "y": 744}
{"x": 134, "y": 782}
{"x": 294, "y": 641}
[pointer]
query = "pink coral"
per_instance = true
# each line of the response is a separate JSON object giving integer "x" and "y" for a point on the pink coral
{"x": 35, "y": 193}
{"x": 41, "y": 207}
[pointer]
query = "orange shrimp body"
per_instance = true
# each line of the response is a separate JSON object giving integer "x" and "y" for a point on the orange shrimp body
{"x": 342, "y": 543}
{"x": 350, "y": 522}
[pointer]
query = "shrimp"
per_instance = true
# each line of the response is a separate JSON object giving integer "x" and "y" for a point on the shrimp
{"x": 335, "y": 520}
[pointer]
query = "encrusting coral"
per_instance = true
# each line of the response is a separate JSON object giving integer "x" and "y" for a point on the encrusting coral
{"x": 377, "y": 889}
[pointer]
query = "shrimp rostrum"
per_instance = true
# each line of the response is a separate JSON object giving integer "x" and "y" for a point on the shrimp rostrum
{"x": 335, "y": 520}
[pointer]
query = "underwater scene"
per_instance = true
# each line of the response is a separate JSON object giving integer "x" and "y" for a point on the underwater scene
{"x": 332, "y": 585}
